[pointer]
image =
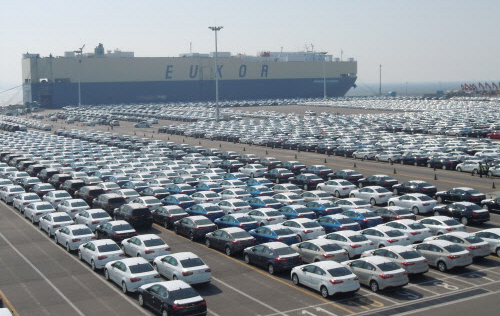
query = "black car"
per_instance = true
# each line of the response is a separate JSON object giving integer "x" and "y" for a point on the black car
{"x": 46, "y": 173}
{"x": 88, "y": 193}
{"x": 41, "y": 189}
{"x": 108, "y": 202}
{"x": 275, "y": 256}
{"x": 168, "y": 214}
{"x": 414, "y": 186}
{"x": 290, "y": 144}
{"x": 33, "y": 170}
{"x": 211, "y": 152}
{"x": 393, "y": 213}
{"x": 321, "y": 171}
{"x": 231, "y": 240}
{"x": 115, "y": 230}
{"x": 326, "y": 148}
{"x": 462, "y": 194}
{"x": 414, "y": 159}
{"x": 378, "y": 179}
{"x": 194, "y": 227}
{"x": 345, "y": 151}
{"x": 135, "y": 214}
{"x": 491, "y": 204}
{"x": 279, "y": 175}
{"x": 164, "y": 298}
{"x": 58, "y": 179}
{"x": 249, "y": 158}
{"x": 270, "y": 162}
{"x": 443, "y": 163}
{"x": 294, "y": 166}
{"x": 307, "y": 181}
{"x": 229, "y": 155}
{"x": 466, "y": 212}
{"x": 24, "y": 164}
{"x": 157, "y": 192}
{"x": 71, "y": 186}
{"x": 231, "y": 165}
{"x": 347, "y": 174}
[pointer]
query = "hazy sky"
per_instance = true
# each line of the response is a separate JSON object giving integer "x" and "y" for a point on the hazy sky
{"x": 420, "y": 40}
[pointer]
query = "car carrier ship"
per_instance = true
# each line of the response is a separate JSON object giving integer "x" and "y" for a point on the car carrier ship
{"x": 114, "y": 77}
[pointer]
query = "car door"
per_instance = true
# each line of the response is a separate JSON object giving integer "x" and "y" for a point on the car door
{"x": 305, "y": 251}
{"x": 255, "y": 253}
{"x": 217, "y": 239}
{"x": 358, "y": 267}
{"x": 149, "y": 297}
{"x": 307, "y": 276}
{"x": 259, "y": 234}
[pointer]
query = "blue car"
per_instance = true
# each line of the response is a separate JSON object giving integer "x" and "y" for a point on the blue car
{"x": 263, "y": 201}
{"x": 259, "y": 181}
{"x": 209, "y": 186}
{"x": 136, "y": 185}
{"x": 103, "y": 174}
{"x": 274, "y": 233}
{"x": 181, "y": 200}
{"x": 365, "y": 218}
{"x": 180, "y": 189}
{"x": 120, "y": 180}
{"x": 324, "y": 207}
{"x": 209, "y": 210}
{"x": 243, "y": 221}
{"x": 236, "y": 176}
{"x": 337, "y": 222}
{"x": 297, "y": 211}
{"x": 259, "y": 190}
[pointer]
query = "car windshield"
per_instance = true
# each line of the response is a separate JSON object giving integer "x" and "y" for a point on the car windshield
{"x": 453, "y": 248}
{"x": 346, "y": 221}
{"x": 358, "y": 238}
{"x": 192, "y": 262}
{"x": 44, "y": 207}
{"x": 182, "y": 294}
{"x": 100, "y": 215}
{"x": 388, "y": 266}
{"x": 82, "y": 231}
{"x": 242, "y": 204}
{"x": 394, "y": 233}
{"x": 58, "y": 219}
{"x": 78, "y": 204}
{"x": 416, "y": 226}
{"x": 283, "y": 231}
{"x": 108, "y": 248}
{"x": 409, "y": 254}
{"x": 311, "y": 224}
{"x": 241, "y": 235}
{"x": 285, "y": 251}
{"x": 451, "y": 222}
{"x": 302, "y": 210}
{"x": 339, "y": 272}
{"x": 213, "y": 208}
{"x": 122, "y": 227}
{"x": 154, "y": 242}
{"x": 331, "y": 247}
{"x": 141, "y": 268}
{"x": 211, "y": 195}
{"x": 201, "y": 222}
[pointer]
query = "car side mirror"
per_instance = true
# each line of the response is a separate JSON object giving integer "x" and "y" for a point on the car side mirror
{"x": 253, "y": 249}
{"x": 303, "y": 269}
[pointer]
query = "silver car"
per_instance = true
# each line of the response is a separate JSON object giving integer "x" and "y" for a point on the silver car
{"x": 492, "y": 237}
{"x": 404, "y": 256}
{"x": 475, "y": 245}
{"x": 418, "y": 203}
{"x": 378, "y": 272}
{"x": 442, "y": 224}
{"x": 444, "y": 255}
{"x": 320, "y": 250}
{"x": 416, "y": 231}
{"x": 352, "y": 241}
{"x": 383, "y": 236}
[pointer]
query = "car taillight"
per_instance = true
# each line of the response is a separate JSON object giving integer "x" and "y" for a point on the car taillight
{"x": 117, "y": 235}
{"x": 450, "y": 229}
{"x": 95, "y": 222}
{"x": 281, "y": 259}
{"x": 392, "y": 240}
{"x": 242, "y": 225}
{"x": 425, "y": 204}
{"x": 209, "y": 214}
{"x": 203, "y": 303}
{"x": 325, "y": 255}
{"x": 122, "y": 255}
{"x": 235, "y": 242}
{"x": 270, "y": 219}
{"x": 406, "y": 264}
{"x": 453, "y": 256}
{"x": 149, "y": 252}
{"x": 157, "y": 276}
{"x": 178, "y": 307}
{"x": 475, "y": 214}
{"x": 26, "y": 203}
{"x": 474, "y": 247}
{"x": 56, "y": 226}
{"x": 300, "y": 215}
{"x": 108, "y": 205}
{"x": 135, "y": 279}
{"x": 187, "y": 273}
{"x": 134, "y": 217}
{"x": 199, "y": 228}
{"x": 355, "y": 246}
{"x": 367, "y": 221}
{"x": 39, "y": 213}
{"x": 336, "y": 281}
{"x": 168, "y": 249}
{"x": 307, "y": 231}
{"x": 386, "y": 276}
{"x": 398, "y": 217}
{"x": 57, "y": 200}
{"x": 280, "y": 239}
{"x": 75, "y": 239}
{"x": 89, "y": 196}
{"x": 72, "y": 211}
{"x": 415, "y": 233}
{"x": 102, "y": 257}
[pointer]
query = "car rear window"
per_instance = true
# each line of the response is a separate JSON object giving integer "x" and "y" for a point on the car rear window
{"x": 108, "y": 248}
{"x": 409, "y": 255}
{"x": 402, "y": 212}
{"x": 302, "y": 210}
{"x": 416, "y": 226}
{"x": 62, "y": 195}
{"x": 181, "y": 294}
{"x": 82, "y": 231}
{"x": 339, "y": 272}
{"x": 17, "y": 190}
{"x": 141, "y": 268}
{"x": 394, "y": 233}
{"x": 331, "y": 247}
{"x": 242, "y": 204}
{"x": 453, "y": 248}
{"x": 154, "y": 242}
{"x": 44, "y": 207}
{"x": 59, "y": 219}
{"x": 31, "y": 197}
{"x": 473, "y": 239}
{"x": 116, "y": 200}
{"x": 122, "y": 227}
{"x": 141, "y": 211}
{"x": 184, "y": 198}
{"x": 346, "y": 221}
{"x": 388, "y": 266}
{"x": 211, "y": 195}
{"x": 78, "y": 204}
{"x": 311, "y": 224}
{"x": 284, "y": 251}
{"x": 370, "y": 214}
{"x": 295, "y": 197}
{"x": 357, "y": 238}
{"x": 451, "y": 222}
{"x": 213, "y": 208}
{"x": 360, "y": 202}
{"x": 100, "y": 215}
{"x": 201, "y": 222}
{"x": 283, "y": 231}
{"x": 241, "y": 235}
{"x": 192, "y": 262}
{"x": 176, "y": 211}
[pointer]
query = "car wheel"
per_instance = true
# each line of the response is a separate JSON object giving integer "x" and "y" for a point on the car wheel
{"x": 395, "y": 192}
{"x": 464, "y": 220}
{"x": 191, "y": 236}
{"x": 389, "y": 160}
{"x": 92, "y": 265}
{"x": 251, "y": 175}
{"x": 295, "y": 279}
{"x": 377, "y": 159}
{"x": 429, "y": 165}
{"x": 207, "y": 242}
{"x": 391, "y": 204}
{"x": 486, "y": 207}
{"x": 324, "y": 291}
{"x": 141, "y": 300}
{"x": 79, "y": 255}
{"x": 228, "y": 251}
{"x": 354, "y": 156}
{"x": 373, "y": 202}
{"x": 176, "y": 230}
{"x": 497, "y": 251}
{"x": 436, "y": 213}
{"x": 106, "y": 274}
{"x": 490, "y": 174}
{"x": 443, "y": 167}
{"x": 381, "y": 246}
{"x": 459, "y": 169}
{"x": 345, "y": 155}
{"x": 261, "y": 224}
{"x": 67, "y": 247}
{"x": 247, "y": 259}
{"x": 439, "y": 199}
{"x": 415, "y": 210}
{"x": 442, "y": 266}
{"x": 306, "y": 187}
{"x": 415, "y": 163}
{"x": 48, "y": 232}
{"x": 33, "y": 220}
{"x": 374, "y": 286}
{"x": 124, "y": 288}
{"x": 174, "y": 277}
{"x": 360, "y": 185}
{"x": 165, "y": 224}
{"x": 352, "y": 195}
{"x": 164, "y": 312}
{"x": 300, "y": 238}
{"x": 270, "y": 268}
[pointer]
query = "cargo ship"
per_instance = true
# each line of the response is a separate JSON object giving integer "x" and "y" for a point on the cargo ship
{"x": 115, "y": 77}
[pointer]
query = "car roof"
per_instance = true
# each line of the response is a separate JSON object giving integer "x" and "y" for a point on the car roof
{"x": 233, "y": 230}
{"x": 275, "y": 244}
{"x": 133, "y": 260}
{"x": 376, "y": 259}
{"x": 465, "y": 203}
{"x": 197, "y": 217}
{"x": 274, "y": 226}
{"x": 398, "y": 248}
{"x": 321, "y": 241}
{"x": 441, "y": 218}
{"x": 183, "y": 255}
{"x": 347, "y": 233}
{"x": 301, "y": 220}
{"x": 147, "y": 236}
{"x": 439, "y": 242}
{"x": 327, "y": 264}
{"x": 405, "y": 221}
{"x": 100, "y": 242}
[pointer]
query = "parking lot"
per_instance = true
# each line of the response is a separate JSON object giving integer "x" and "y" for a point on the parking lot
{"x": 41, "y": 278}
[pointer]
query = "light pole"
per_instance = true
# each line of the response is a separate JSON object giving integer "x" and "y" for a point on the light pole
{"x": 80, "y": 51}
{"x": 324, "y": 74}
{"x": 407, "y": 88}
{"x": 215, "y": 29}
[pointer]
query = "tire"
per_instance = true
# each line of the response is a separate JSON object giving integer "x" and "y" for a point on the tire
{"x": 277, "y": 180}
{"x": 124, "y": 288}
{"x": 497, "y": 252}
{"x": 80, "y": 255}
{"x": 415, "y": 163}
{"x": 464, "y": 220}
{"x": 391, "y": 204}
{"x": 373, "y": 202}
{"x": 377, "y": 159}
{"x": 439, "y": 199}
{"x": 490, "y": 174}
{"x": 395, "y": 192}
{"x": 270, "y": 268}
{"x": 48, "y": 232}
{"x": 165, "y": 224}
{"x": 381, "y": 246}
{"x": 486, "y": 207}
{"x": 443, "y": 167}
{"x": 92, "y": 265}
{"x": 164, "y": 312}
{"x": 415, "y": 210}
{"x": 106, "y": 274}
{"x": 56, "y": 240}
{"x": 360, "y": 185}
{"x": 306, "y": 187}
{"x": 174, "y": 277}
{"x": 352, "y": 195}
{"x": 227, "y": 250}
{"x": 337, "y": 194}
{"x": 474, "y": 172}
{"x": 442, "y": 266}
{"x": 324, "y": 291}
{"x": 141, "y": 300}
{"x": 374, "y": 286}
{"x": 67, "y": 247}
{"x": 207, "y": 242}
{"x": 251, "y": 175}
{"x": 459, "y": 169}
{"x": 300, "y": 238}
{"x": 33, "y": 220}
{"x": 191, "y": 236}
{"x": 429, "y": 165}
{"x": 436, "y": 213}
{"x": 247, "y": 259}
{"x": 176, "y": 230}
{"x": 295, "y": 279}
{"x": 354, "y": 156}
{"x": 389, "y": 160}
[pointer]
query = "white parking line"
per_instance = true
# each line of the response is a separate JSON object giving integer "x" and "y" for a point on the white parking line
{"x": 77, "y": 310}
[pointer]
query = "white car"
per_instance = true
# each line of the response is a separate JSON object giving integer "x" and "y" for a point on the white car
{"x": 8, "y": 192}
{"x": 130, "y": 273}
{"x": 418, "y": 203}
{"x": 232, "y": 184}
{"x": 108, "y": 186}
{"x": 320, "y": 249}
{"x": 267, "y": 216}
{"x": 56, "y": 197}
{"x": 73, "y": 207}
{"x": 316, "y": 195}
{"x": 492, "y": 237}
{"x": 206, "y": 197}
{"x": 214, "y": 171}
{"x": 185, "y": 266}
{"x": 211, "y": 162}
{"x": 289, "y": 198}
{"x": 148, "y": 201}
{"x": 327, "y": 277}
{"x": 236, "y": 193}
{"x": 442, "y": 224}
{"x": 287, "y": 188}
{"x": 92, "y": 218}
{"x": 383, "y": 236}
{"x": 233, "y": 206}
{"x": 148, "y": 246}
{"x": 352, "y": 241}
{"x": 53, "y": 221}
{"x": 35, "y": 210}
{"x": 339, "y": 188}
{"x": 475, "y": 245}
{"x": 253, "y": 170}
{"x": 21, "y": 200}
{"x": 160, "y": 182}
{"x": 193, "y": 158}
{"x": 468, "y": 166}
{"x": 389, "y": 156}
{"x": 208, "y": 178}
{"x": 404, "y": 256}
{"x": 305, "y": 228}
{"x": 354, "y": 203}
{"x": 127, "y": 194}
{"x": 72, "y": 236}
{"x": 416, "y": 231}
{"x": 377, "y": 195}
